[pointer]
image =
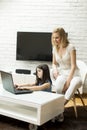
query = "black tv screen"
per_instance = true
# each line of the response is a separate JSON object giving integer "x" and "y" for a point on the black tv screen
{"x": 34, "y": 46}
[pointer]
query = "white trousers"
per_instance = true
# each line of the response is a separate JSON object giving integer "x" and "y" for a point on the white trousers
{"x": 74, "y": 84}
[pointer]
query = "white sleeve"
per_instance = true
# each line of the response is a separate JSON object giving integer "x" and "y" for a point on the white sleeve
{"x": 71, "y": 47}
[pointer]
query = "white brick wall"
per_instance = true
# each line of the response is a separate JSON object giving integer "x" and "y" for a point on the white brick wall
{"x": 40, "y": 15}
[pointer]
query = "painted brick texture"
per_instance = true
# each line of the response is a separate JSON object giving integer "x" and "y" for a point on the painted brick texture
{"x": 39, "y": 16}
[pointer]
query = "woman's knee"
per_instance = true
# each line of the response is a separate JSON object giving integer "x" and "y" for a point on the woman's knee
{"x": 59, "y": 84}
{"x": 74, "y": 85}
{"x": 76, "y": 81}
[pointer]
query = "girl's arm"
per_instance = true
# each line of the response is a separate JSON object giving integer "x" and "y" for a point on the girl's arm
{"x": 24, "y": 85}
{"x": 36, "y": 88}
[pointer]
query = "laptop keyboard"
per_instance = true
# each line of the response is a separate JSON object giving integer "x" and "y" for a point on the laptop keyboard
{"x": 18, "y": 91}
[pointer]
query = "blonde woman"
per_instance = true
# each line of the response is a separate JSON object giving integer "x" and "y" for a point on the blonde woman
{"x": 65, "y": 71}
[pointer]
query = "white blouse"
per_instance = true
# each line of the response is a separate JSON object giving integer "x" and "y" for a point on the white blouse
{"x": 64, "y": 62}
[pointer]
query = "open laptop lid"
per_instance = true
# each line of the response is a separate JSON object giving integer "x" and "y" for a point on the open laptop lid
{"x": 8, "y": 84}
{"x": 7, "y": 81}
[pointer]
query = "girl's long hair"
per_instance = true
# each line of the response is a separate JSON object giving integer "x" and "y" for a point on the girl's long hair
{"x": 46, "y": 74}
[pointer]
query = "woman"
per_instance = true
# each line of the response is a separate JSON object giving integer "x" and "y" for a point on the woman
{"x": 65, "y": 71}
{"x": 43, "y": 81}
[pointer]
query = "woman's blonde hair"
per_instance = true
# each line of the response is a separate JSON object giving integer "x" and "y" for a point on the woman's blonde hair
{"x": 63, "y": 36}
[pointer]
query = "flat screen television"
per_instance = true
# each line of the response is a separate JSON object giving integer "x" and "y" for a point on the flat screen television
{"x": 34, "y": 46}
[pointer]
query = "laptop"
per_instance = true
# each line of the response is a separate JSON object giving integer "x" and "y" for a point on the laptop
{"x": 8, "y": 84}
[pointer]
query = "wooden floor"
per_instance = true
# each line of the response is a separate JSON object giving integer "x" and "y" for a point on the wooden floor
{"x": 6, "y": 125}
{"x": 78, "y": 101}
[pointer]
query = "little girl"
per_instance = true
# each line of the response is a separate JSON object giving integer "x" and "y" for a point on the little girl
{"x": 43, "y": 81}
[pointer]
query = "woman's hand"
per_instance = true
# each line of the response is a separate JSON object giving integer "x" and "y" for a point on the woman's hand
{"x": 55, "y": 74}
{"x": 66, "y": 86}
